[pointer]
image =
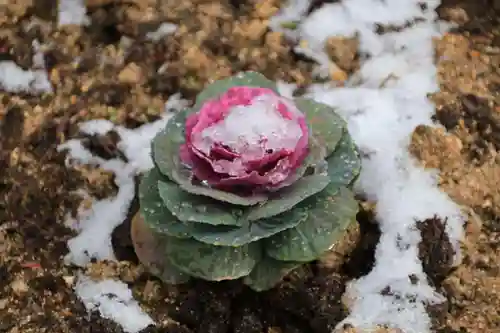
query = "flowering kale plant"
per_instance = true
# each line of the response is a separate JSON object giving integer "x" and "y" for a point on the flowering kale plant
{"x": 246, "y": 184}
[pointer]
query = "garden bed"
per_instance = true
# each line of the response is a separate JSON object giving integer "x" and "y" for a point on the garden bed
{"x": 116, "y": 69}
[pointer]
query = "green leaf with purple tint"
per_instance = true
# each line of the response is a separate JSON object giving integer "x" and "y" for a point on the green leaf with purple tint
{"x": 214, "y": 263}
{"x": 329, "y": 214}
{"x": 245, "y": 79}
{"x": 326, "y": 126}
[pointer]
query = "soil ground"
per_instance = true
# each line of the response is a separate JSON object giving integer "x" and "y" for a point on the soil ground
{"x": 37, "y": 191}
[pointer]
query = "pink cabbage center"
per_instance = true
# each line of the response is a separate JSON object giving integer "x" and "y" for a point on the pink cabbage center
{"x": 250, "y": 132}
{"x": 249, "y": 136}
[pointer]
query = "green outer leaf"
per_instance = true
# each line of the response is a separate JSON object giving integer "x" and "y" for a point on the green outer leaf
{"x": 214, "y": 263}
{"x": 253, "y": 231}
{"x": 218, "y": 194}
{"x": 166, "y": 143}
{"x": 328, "y": 218}
{"x": 317, "y": 154}
{"x": 326, "y": 125}
{"x": 154, "y": 212}
{"x": 165, "y": 150}
{"x": 148, "y": 247}
{"x": 268, "y": 273}
{"x": 289, "y": 196}
{"x": 344, "y": 165}
{"x": 249, "y": 79}
{"x": 169, "y": 273}
{"x": 188, "y": 207}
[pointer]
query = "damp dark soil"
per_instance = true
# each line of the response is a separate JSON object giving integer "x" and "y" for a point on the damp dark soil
{"x": 110, "y": 70}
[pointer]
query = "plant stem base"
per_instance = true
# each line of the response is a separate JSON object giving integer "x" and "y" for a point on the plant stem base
{"x": 148, "y": 247}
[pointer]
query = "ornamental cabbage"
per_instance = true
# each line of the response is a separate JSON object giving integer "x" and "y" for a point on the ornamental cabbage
{"x": 246, "y": 184}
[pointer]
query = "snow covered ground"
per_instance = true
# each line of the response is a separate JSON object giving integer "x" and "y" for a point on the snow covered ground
{"x": 96, "y": 224}
{"x": 382, "y": 114}
{"x": 15, "y": 79}
{"x": 382, "y": 103}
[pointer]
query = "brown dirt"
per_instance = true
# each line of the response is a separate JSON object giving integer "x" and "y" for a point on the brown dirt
{"x": 116, "y": 78}
{"x": 468, "y": 106}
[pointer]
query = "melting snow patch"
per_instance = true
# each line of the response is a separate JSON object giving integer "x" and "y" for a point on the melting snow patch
{"x": 163, "y": 30}
{"x": 72, "y": 12}
{"x": 114, "y": 301}
{"x": 286, "y": 89}
{"x": 14, "y": 79}
{"x": 289, "y": 15}
{"x": 97, "y": 223}
{"x": 382, "y": 112}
